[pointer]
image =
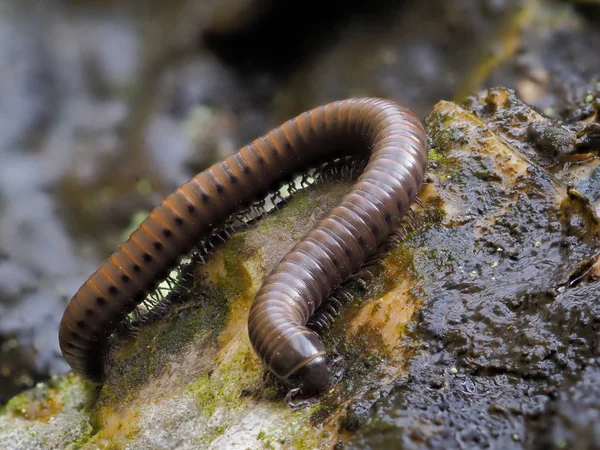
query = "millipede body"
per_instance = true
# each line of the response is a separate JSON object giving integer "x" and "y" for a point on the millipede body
{"x": 395, "y": 143}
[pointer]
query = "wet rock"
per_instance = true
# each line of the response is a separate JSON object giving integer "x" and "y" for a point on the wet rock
{"x": 551, "y": 139}
{"x": 502, "y": 317}
{"x": 570, "y": 421}
{"x": 545, "y": 141}
{"x": 474, "y": 327}
{"x": 186, "y": 369}
{"x": 588, "y": 138}
{"x": 590, "y": 188}
{"x": 91, "y": 100}
{"x": 551, "y": 144}
{"x": 51, "y": 415}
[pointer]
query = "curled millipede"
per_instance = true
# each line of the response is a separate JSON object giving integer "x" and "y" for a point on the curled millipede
{"x": 395, "y": 143}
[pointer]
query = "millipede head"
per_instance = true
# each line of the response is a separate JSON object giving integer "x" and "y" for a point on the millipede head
{"x": 312, "y": 377}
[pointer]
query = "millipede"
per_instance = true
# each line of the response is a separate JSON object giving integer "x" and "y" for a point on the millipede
{"x": 387, "y": 134}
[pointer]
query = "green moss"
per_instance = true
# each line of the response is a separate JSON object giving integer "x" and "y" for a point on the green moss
{"x": 266, "y": 439}
{"x": 293, "y": 432}
{"x": 436, "y": 156}
{"x": 85, "y": 433}
{"x": 441, "y": 260}
{"x": 433, "y": 214}
{"x": 447, "y": 167}
{"x": 302, "y": 202}
{"x": 221, "y": 429}
{"x": 447, "y": 139}
{"x": 223, "y": 389}
{"x": 236, "y": 280}
{"x": 117, "y": 434}
{"x": 16, "y": 405}
{"x": 206, "y": 320}
{"x": 376, "y": 308}
{"x": 220, "y": 392}
{"x": 206, "y": 395}
{"x": 298, "y": 205}
{"x": 403, "y": 257}
{"x": 261, "y": 436}
{"x": 47, "y": 399}
{"x": 134, "y": 365}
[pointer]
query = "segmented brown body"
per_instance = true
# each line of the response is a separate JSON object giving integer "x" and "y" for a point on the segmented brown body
{"x": 396, "y": 144}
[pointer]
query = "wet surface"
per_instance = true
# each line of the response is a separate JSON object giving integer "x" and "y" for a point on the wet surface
{"x": 99, "y": 121}
{"x": 570, "y": 419}
{"x": 509, "y": 325}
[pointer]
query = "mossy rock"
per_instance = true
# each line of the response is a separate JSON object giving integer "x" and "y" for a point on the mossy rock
{"x": 433, "y": 316}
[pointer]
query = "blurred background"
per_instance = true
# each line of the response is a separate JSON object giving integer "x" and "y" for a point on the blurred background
{"x": 107, "y": 106}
